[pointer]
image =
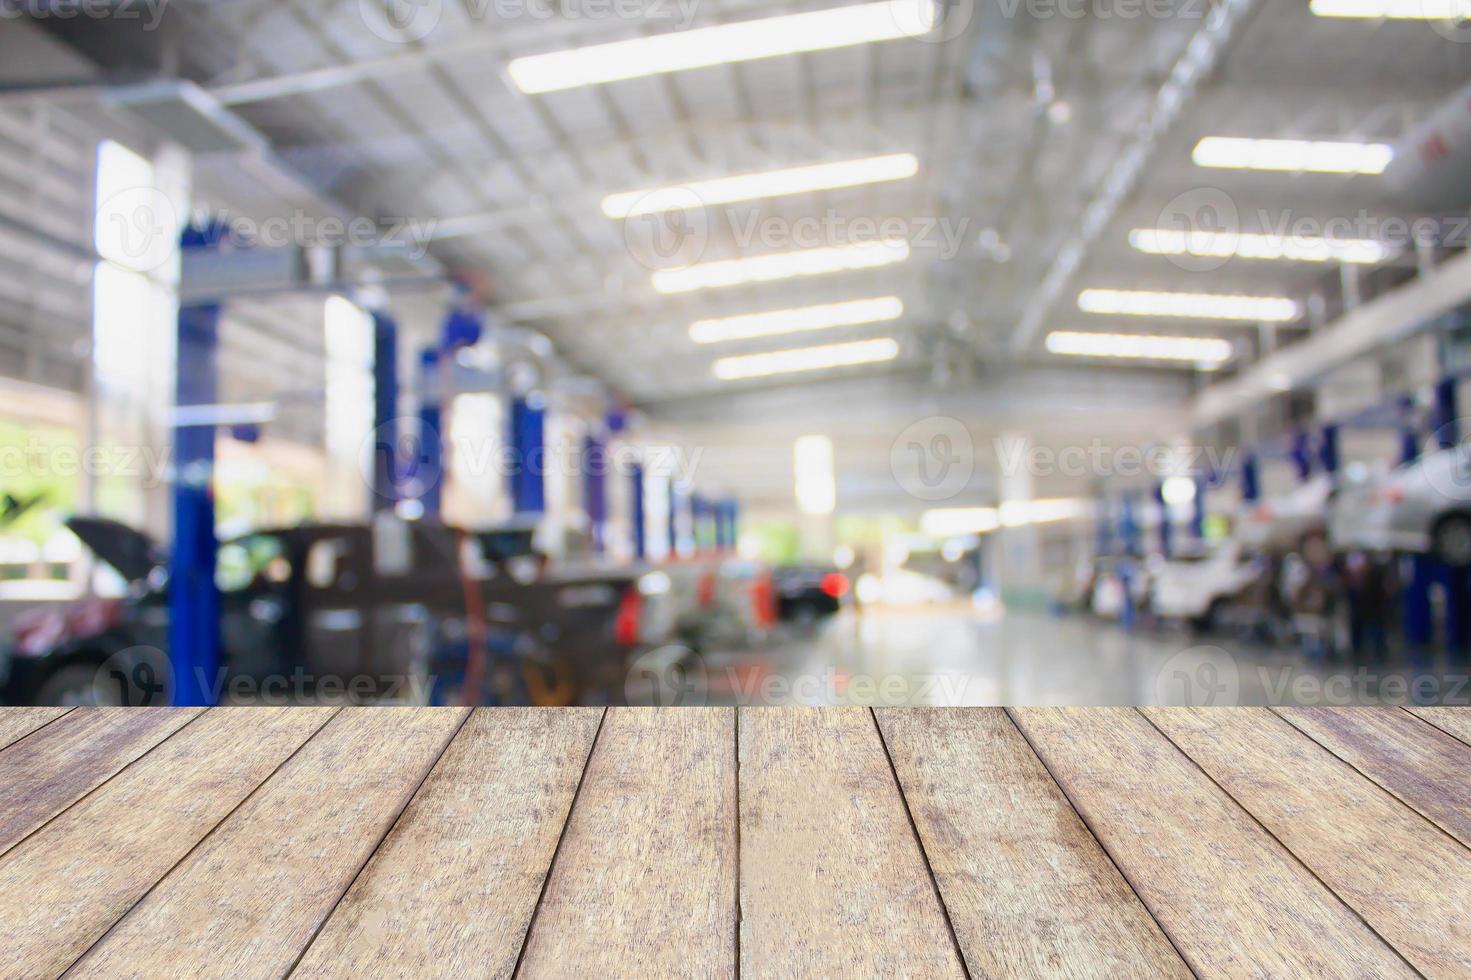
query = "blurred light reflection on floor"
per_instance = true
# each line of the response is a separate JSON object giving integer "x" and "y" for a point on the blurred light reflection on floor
{"x": 959, "y": 654}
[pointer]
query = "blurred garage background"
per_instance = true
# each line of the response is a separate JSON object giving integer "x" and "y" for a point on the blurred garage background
{"x": 682, "y": 351}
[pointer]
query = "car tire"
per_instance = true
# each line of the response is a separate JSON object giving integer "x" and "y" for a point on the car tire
{"x": 1208, "y": 620}
{"x": 77, "y": 685}
{"x": 1450, "y": 540}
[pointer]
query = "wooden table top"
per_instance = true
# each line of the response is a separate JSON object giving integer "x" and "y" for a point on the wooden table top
{"x": 244, "y": 842}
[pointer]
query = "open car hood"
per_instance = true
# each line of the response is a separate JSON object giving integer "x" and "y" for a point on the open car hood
{"x": 134, "y": 554}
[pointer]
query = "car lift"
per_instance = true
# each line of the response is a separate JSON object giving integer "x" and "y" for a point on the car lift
{"x": 213, "y": 271}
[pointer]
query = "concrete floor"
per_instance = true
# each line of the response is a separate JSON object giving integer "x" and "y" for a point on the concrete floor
{"x": 959, "y": 655}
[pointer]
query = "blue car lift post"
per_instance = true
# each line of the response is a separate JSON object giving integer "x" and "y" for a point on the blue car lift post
{"x": 194, "y": 600}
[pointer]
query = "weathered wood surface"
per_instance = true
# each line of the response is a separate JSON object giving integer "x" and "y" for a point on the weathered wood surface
{"x": 715, "y": 843}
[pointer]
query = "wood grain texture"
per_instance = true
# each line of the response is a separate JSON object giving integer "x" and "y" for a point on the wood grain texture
{"x": 42, "y": 775}
{"x": 249, "y": 898}
{"x": 1413, "y": 759}
{"x": 644, "y": 883}
{"x": 1405, "y": 876}
{"x": 1455, "y": 722}
{"x": 833, "y": 881}
{"x": 1028, "y": 889}
{"x": 1232, "y": 899}
{"x": 452, "y": 890}
{"x": 65, "y": 885}
{"x": 17, "y": 723}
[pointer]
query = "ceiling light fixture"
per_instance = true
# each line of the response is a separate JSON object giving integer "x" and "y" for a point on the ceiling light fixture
{"x": 1197, "y": 350}
{"x": 781, "y": 265}
{"x": 1194, "y": 306}
{"x": 1292, "y": 156}
{"x": 771, "y": 183}
{"x": 1393, "y": 9}
{"x": 775, "y": 322}
{"x": 1282, "y": 248}
{"x": 807, "y": 359}
{"x": 704, "y": 47}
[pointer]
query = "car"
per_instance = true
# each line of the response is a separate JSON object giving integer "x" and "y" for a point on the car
{"x": 808, "y": 594}
{"x": 1284, "y": 524}
{"x": 1422, "y": 508}
{"x": 1197, "y": 588}
{"x": 383, "y": 607}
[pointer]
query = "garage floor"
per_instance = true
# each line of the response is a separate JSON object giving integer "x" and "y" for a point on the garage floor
{"x": 958, "y": 655}
{"x": 247, "y": 842}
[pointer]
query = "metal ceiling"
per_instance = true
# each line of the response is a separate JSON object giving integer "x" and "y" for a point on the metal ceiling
{"x": 431, "y": 128}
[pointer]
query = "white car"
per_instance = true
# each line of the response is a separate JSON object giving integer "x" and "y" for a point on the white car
{"x": 1196, "y": 589}
{"x": 1424, "y": 507}
{"x": 1281, "y": 524}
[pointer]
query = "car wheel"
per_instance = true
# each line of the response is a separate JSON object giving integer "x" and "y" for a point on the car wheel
{"x": 1450, "y": 541}
{"x": 1208, "y": 620}
{"x": 78, "y": 685}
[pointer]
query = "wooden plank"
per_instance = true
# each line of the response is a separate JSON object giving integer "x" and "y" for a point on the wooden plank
{"x": 644, "y": 883}
{"x": 1406, "y": 877}
{"x": 1028, "y": 889}
{"x": 249, "y": 898}
{"x": 1414, "y": 760}
{"x": 452, "y": 890}
{"x": 42, "y": 775}
{"x": 1233, "y": 900}
{"x": 1455, "y": 722}
{"x": 17, "y": 723}
{"x": 65, "y": 885}
{"x": 833, "y": 881}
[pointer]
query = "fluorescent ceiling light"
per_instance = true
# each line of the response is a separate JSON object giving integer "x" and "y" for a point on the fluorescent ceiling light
{"x": 1394, "y": 9}
{"x": 807, "y": 359}
{"x": 805, "y": 318}
{"x": 1197, "y": 350}
{"x": 1293, "y": 156}
{"x": 1288, "y": 248}
{"x": 781, "y": 265}
{"x": 725, "y": 44}
{"x": 1201, "y": 306}
{"x": 951, "y": 522}
{"x": 772, "y": 183}
{"x": 816, "y": 480}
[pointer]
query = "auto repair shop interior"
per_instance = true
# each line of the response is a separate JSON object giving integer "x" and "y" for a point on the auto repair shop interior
{"x": 758, "y": 352}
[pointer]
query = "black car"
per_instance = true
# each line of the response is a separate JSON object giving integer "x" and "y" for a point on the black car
{"x": 370, "y": 612}
{"x": 808, "y": 594}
